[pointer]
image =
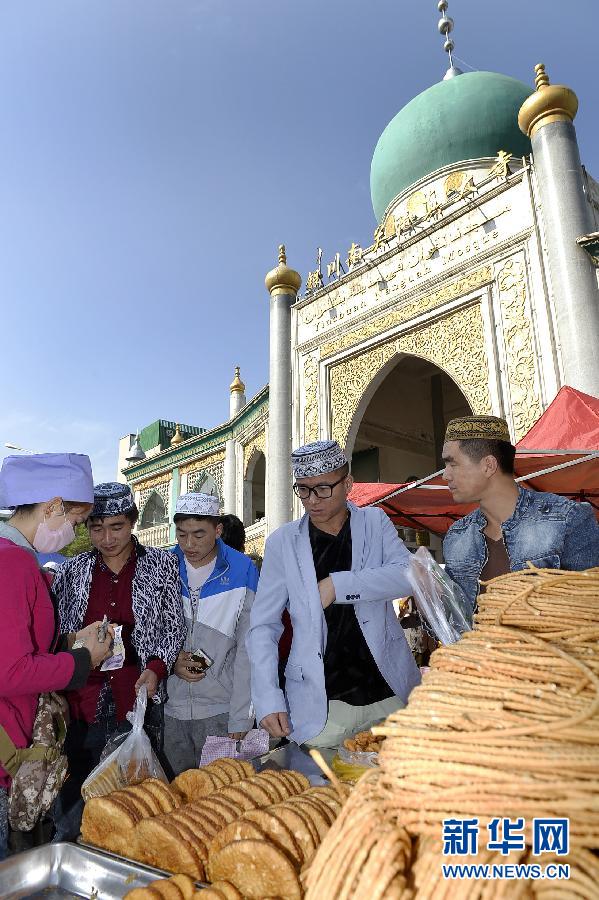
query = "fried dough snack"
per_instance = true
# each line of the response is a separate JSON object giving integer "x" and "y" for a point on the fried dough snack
{"x": 257, "y": 869}
{"x": 108, "y": 821}
{"x": 505, "y": 724}
{"x": 364, "y": 742}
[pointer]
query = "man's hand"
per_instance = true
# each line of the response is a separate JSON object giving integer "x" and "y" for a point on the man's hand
{"x": 277, "y": 724}
{"x": 150, "y": 679}
{"x": 184, "y": 665}
{"x": 237, "y": 735}
{"x": 327, "y": 592}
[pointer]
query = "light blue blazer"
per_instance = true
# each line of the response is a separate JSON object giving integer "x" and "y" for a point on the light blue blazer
{"x": 288, "y": 580}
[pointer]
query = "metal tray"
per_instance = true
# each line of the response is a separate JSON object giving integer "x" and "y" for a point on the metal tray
{"x": 71, "y": 871}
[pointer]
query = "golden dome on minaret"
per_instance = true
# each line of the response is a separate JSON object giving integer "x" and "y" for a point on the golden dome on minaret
{"x": 283, "y": 280}
{"x": 237, "y": 385}
{"x": 177, "y": 438}
{"x": 549, "y": 103}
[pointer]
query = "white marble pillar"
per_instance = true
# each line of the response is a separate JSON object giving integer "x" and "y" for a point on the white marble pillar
{"x": 229, "y": 478}
{"x": 283, "y": 284}
{"x": 547, "y": 117}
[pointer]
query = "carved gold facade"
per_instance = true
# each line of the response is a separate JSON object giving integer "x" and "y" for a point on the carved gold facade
{"x": 210, "y": 460}
{"x": 455, "y": 343}
{"x": 310, "y": 399}
{"x": 147, "y": 483}
{"x": 255, "y": 444}
{"x": 522, "y": 376}
{"x": 451, "y": 291}
{"x": 255, "y": 545}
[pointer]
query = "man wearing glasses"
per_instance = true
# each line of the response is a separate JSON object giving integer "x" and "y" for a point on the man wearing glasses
{"x": 337, "y": 571}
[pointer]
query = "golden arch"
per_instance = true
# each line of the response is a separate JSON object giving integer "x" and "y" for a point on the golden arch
{"x": 454, "y": 343}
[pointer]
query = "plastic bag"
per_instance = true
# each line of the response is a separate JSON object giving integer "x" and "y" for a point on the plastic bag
{"x": 442, "y": 604}
{"x": 350, "y": 765}
{"x": 132, "y": 761}
{"x": 254, "y": 744}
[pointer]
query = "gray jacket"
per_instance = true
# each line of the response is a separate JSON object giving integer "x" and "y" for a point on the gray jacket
{"x": 288, "y": 581}
{"x": 219, "y": 629}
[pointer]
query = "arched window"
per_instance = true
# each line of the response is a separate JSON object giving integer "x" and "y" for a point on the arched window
{"x": 154, "y": 512}
{"x": 255, "y": 489}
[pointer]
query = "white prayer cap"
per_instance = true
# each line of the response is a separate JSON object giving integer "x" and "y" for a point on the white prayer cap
{"x": 196, "y": 504}
{"x": 317, "y": 458}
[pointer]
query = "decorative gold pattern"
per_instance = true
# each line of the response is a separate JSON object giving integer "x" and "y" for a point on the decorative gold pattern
{"x": 450, "y": 291}
{"x": 310, "y": 399}
{"x": 255, "y": 545}
{"x": 257, "y": 443}
{"x": 162, "y": 478}
{"x": 349, "y": 380}
{"x": 203, "y": 463}
{"x": 454, "y": 343}
{"x": 525, "y": 404}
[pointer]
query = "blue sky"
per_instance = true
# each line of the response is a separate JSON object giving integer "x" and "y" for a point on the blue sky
{"x": 153, "y": 155}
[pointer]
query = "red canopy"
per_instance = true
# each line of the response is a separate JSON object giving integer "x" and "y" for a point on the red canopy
{"x": 560, "y": 454}
{"x": 570, "y": 422}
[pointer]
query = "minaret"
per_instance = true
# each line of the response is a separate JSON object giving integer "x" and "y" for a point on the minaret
{"x": 283, "y": 284}
{"x": 237, "y": 399}
{"x": 547, "y": 118}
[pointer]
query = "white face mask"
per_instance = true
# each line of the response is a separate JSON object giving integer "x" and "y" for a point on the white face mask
{"x": 51, "y": 540}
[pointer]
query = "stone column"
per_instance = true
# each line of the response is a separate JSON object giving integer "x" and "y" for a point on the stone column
{"x": 283, "y": 284}
{"x": 173, "y": 496}
{"x": 547, "y": 117}
{"x": 229, "y": 478}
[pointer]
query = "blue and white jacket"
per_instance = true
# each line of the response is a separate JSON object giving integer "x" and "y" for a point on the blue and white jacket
{"x": 218, "y": 627}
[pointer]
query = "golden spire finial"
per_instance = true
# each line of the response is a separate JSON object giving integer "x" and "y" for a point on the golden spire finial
{"x": 283, "y": 280}
{"x": 541, "y": 76}
{"x": 237, "y": 385}
{"x": 548, "y": 103}
{"x": 177, "y": 438}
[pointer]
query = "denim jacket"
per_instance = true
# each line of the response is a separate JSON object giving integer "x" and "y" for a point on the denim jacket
{"x": 547, "y": 530}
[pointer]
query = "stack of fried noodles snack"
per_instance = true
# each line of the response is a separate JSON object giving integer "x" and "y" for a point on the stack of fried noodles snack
{"x": 505, "y": 725}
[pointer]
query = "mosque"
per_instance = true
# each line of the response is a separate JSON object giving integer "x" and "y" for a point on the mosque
{"x": 478, "y": 293}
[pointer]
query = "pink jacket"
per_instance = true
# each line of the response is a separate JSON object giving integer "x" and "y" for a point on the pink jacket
{"x": 27, "y": 627}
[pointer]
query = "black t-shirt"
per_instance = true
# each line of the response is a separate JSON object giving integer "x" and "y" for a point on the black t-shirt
{"x": 350, "y": 672}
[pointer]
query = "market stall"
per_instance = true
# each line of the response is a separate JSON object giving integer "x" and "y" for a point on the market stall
{"x": 559, "y": 454}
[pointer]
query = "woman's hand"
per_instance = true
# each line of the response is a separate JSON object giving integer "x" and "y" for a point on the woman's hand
{"x": 93, "y": 628}
{"x": 98, "y": 651}
{"x": 150, "y": 679}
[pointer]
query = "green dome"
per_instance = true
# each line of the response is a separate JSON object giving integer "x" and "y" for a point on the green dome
{"x": 466, "y": 117}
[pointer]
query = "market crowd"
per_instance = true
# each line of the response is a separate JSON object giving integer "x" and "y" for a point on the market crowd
{"x": 309, "y": 650}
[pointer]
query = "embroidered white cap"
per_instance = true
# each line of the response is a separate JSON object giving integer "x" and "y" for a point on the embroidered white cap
{"x": 317, "y": 458}
{"x": 196, "y": 504}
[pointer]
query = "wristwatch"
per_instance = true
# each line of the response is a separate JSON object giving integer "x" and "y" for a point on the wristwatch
{"x": 78, "y": 644}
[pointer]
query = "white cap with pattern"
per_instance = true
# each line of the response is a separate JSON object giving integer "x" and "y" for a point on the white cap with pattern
{"x": 317, "y": 458}
{"x": 196, "y": 504}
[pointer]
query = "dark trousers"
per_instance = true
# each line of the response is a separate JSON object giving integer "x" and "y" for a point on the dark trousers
{"x": 83, "y": 747}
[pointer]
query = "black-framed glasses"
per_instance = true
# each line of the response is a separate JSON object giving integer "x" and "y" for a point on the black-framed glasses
{"x": 321, "y": 491}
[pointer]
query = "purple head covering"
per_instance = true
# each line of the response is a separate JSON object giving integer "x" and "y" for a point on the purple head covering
{"x": 38, "y": 477}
